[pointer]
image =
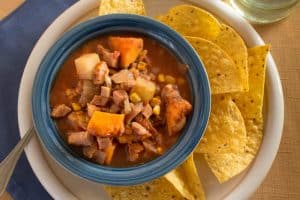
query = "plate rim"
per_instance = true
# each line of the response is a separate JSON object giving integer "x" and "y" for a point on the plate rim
{"x": 252, "y": 179}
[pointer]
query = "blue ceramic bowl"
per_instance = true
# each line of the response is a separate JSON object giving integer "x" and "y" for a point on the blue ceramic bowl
{"x": 62, "y": 153}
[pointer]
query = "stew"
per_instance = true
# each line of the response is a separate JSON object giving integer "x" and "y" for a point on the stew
{"x": 121, "y": 100}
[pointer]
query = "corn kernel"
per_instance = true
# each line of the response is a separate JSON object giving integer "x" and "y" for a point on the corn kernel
{"x": 155, "y": 101}
{"x": 156, "y": 109}
{"x": 76, "y": 106}
{"x": 161, "y": 78}
{"x": 180, "y": 81}
{"x": 159, "y": 150}
{"x": 134, "y": 97}
{"x": 170, "y": 79}
{"x": 68, "y": 92}
{"x": 141, "y": 66}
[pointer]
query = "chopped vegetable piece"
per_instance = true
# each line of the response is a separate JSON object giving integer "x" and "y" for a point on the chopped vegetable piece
{"x": 126, "y": 139}
{"x": 78, "y": 120}
{"x": 85, "y": 65}
{"x": 100, "y": 72}
{"x": 91, "y": 109}
{"x": 156, "y": 110}
{"x": 161, "y": 78}
{"x": 170, "y": 79}
{"x": 119, "y": 96}
{"x": 127, "y": 107}
{"x": 76, "y": 106}
{"x": 136, "y": 109}
{"x": 141, "y": 66}
{"x": 109, "y": 152}
{"x": 134, "y": 150}
{"x": 82, "y": 138}
{"x": 123, "y": 76}
{"x": 108, "y": 81}
{"x": 129, "y": 47}
{"x": 88, "y": 92}
{"x": 140, "y": 130}
{"x": 144, "y": 88}
{"x": 159, "y": 150}
{"x": 147, "y": 111}
{"x": 105, "y": 91}
{"x": 100, "y": 157}
{"x": 150, "y": 146}
{"x": 134, "y": 97}
{"x": 60, "y": 111}
{"x": 114, "y": 108}
{"x": 89, "y": 151}
{"x": 106, "y": 124}
{"x": 155, "y": 101}
{"x": 99, "y": 100}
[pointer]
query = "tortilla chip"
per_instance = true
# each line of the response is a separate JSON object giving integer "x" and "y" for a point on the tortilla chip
{"x": 232, "y": 43}
{"x": 223, "y": 74}
{"x": 226, "y": 131}
{"x": 228, "y": 165}
{"x": 186, "y": 180}
{"x": 122, "y": 6}
{"x": 251, "y": 103}
{"x": 156, "y": 189}
{"x": 192, "y": 21}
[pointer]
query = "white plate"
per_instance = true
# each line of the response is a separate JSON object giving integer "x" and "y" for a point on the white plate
{"x": 62, "y": 185}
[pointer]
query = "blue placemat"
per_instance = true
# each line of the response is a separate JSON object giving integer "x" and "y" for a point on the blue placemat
{"x": 18, "y": 34}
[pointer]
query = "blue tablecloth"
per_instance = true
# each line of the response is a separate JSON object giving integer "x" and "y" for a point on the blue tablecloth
{"x": 18, "y": 34}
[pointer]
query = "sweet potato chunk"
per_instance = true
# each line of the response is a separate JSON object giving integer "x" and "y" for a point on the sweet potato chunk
{"x": 129, "y": 48}
{"x": 105, "y": 124}
{"x": 109, "y": 151}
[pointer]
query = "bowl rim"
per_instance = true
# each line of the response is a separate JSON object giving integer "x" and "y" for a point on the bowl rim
{"x": 57, "y": 148}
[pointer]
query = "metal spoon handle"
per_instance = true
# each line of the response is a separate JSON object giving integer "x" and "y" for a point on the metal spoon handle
{"x": 7, "y": 166}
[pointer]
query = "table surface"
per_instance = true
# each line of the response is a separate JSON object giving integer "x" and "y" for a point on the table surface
{"x": 283, "y": 181}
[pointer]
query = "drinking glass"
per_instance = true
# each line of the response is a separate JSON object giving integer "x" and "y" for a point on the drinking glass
{"x": 264, "y": 11}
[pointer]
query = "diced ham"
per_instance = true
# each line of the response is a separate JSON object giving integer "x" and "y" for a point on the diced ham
{"x": 119, "y": 96}
{"x": 89, "y": 151}
{"x": 100, "y": 72}
{"x": 89, "y": 90}
{"x": 149, "y": 146}
{"x": 123, "y": 76}
{"x": 133, "y": 151}
{"x": 140, "y": 130}
{"x": 147, "y": 111}
{"x": 103, "y": 143}
{"x": 99, "y": 100}
{"x": 146, "y": 124}
{"x": 123, "y": 139}
{"x": 176, "y": 109}
{"x": 127, "y": 86}
{"x": 112, "y": 58}
{"x": 78, "y": 120}
{"x": 60, "y": 111}
{"x": 108, "y": 82}
{"x": 91, "y": 109}
{"x": 105, "y": 91}
{"x": 135, "y": 110}
{"x": 127, "y": 106}
{"x": 82, "y": 138}
{"x": 99, "y": 157}
{"x": 114, "y": 108}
